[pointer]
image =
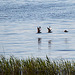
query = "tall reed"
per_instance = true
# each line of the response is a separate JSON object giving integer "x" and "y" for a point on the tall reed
{"x": 35, "y": 66}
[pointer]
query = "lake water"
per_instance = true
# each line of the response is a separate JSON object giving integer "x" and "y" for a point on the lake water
{"x": 19, "y": 20}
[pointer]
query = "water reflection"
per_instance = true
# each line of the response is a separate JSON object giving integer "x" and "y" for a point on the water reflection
{"x": 49, "y": 44}
{"x": 66, "y": 41}
{"x": 39, "y": 43}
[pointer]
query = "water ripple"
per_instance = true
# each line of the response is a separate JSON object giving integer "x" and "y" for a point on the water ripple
{"x": 65, "y": 50}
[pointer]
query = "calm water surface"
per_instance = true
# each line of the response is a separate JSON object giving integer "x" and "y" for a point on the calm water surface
{"x": 18, "y": 28}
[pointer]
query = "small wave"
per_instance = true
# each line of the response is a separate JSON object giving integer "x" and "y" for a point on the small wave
{"x": 65, "y": 50}
{"x": 11, "y": 34}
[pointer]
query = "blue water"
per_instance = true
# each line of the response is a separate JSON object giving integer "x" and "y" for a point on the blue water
{"x": 18, "y": 28}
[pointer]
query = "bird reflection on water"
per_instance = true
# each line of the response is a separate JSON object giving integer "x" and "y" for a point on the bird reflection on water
{"x": 39, "y": 40}
{"x": 66, "y": 41}
{"x": 49, "y": 44}
{"x": 39, "y": 43}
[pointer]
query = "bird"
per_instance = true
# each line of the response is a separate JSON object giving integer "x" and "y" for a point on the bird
{"x": 49, "y": 29}
{"x": 39, "y": 29}
{"x": 65, "y": 30}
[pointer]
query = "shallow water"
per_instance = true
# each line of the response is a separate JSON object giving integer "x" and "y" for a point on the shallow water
{"x": 18, "y": 28}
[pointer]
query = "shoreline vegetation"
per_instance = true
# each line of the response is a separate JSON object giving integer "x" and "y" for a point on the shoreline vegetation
{"x": 35, "y": 66}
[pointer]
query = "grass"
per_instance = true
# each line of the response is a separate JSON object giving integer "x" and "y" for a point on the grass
{"x": 35, "y": 66}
